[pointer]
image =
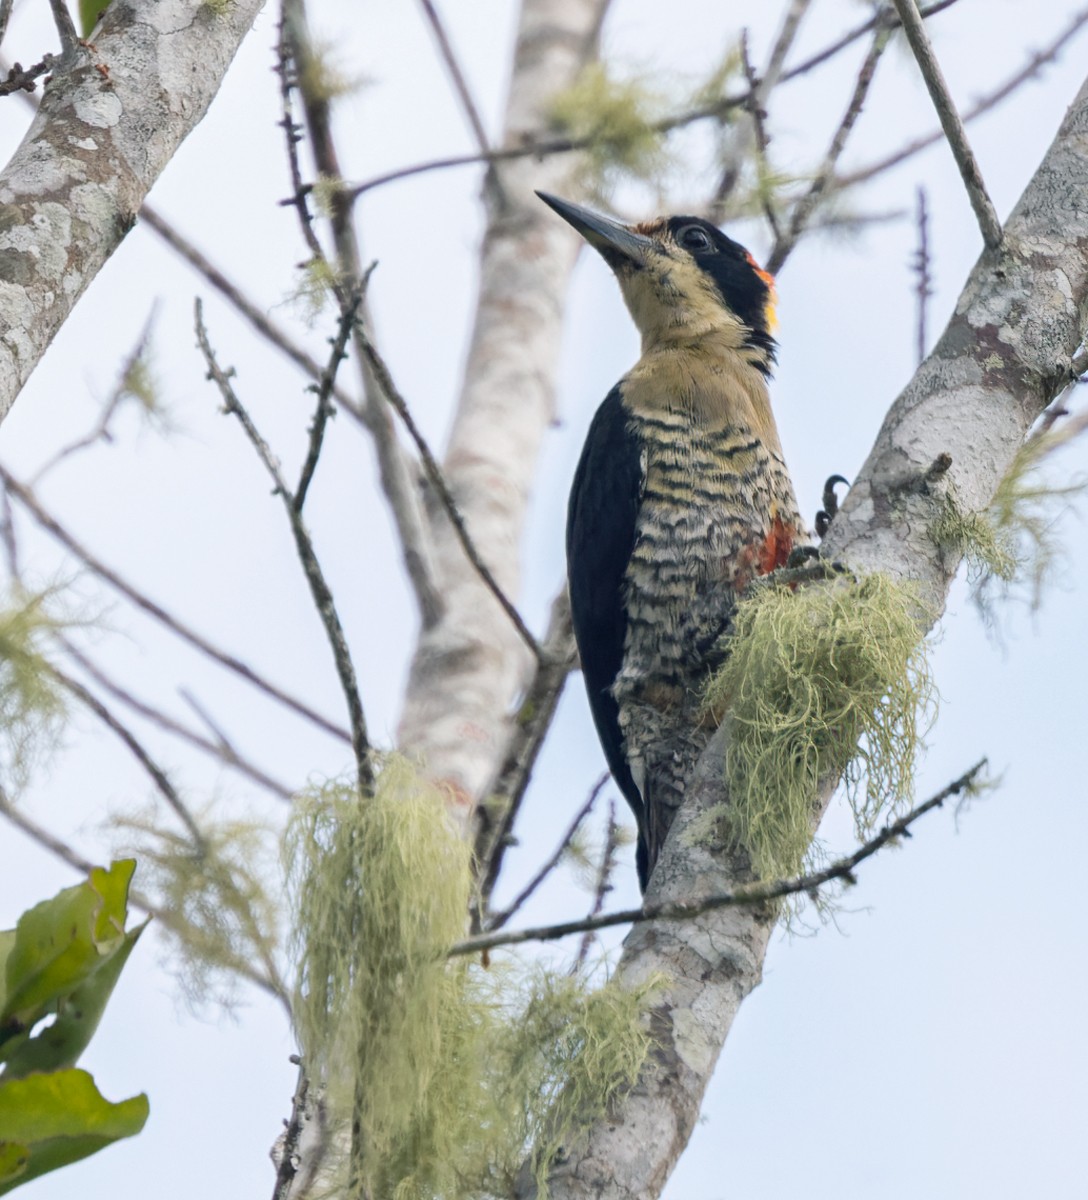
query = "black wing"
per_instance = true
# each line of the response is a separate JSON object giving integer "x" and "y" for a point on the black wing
{"x": 604, "y": 502}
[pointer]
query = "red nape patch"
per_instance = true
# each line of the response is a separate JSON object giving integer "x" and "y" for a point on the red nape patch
{"x": 766, "y": 276}
{"x": 776, "y": 548}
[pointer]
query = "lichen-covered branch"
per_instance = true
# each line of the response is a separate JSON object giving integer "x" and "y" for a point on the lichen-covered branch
{"x": 73, "y": 188}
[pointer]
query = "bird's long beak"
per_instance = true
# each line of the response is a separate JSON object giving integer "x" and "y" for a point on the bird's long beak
{"x": 615, "y": 242}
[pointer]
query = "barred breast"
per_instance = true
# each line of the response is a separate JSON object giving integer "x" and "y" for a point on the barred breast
{"x": 717, "y": 509}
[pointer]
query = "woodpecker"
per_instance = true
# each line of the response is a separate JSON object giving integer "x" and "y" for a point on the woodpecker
{"x": 681, "y": 497}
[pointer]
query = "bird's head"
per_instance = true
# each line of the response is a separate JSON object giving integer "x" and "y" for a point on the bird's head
{"x": 684, "y": 281}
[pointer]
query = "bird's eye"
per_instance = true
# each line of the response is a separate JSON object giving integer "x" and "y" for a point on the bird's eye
{"x": 694, "y": 238}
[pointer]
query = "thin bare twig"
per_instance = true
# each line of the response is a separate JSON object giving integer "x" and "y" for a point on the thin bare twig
{"x": 395, "y": 473}
{"x": 60, "y": 849}
{"x": 460, "y": 83}
{"x": 315, "y": 577}
{"x": 49, "y": 523}
{"x": 399, "y": 474}
{"x": 884, "y": 19}
{"x": 464, "y": 94}
{"x": 8, "y": 536}
{"x": 234, "y": 295}
{"x": 1072, "y": 426}
{"x": 438, "y": 482}
{"x": 158, "y": 776}
{"x": 759, "y": 91}
{"x": 101, "y": 431}
{"x": 603, "y": 883}
{"x": 20, "y": 79}
{"x": 69, "y": 39}
{"x": 756, "y": 893}
{"x": 287, "y": 73}
{"x": 924, "y": 288}
{"x": 49, "y": 841}
{"x": 499, "y": 919}
{"x": 713, "y": 111}
{"x": 324, "y": 388}
{"x": 915, "y": 29}
{"x": 757, "y": 113}
{"x": 495, "y": 819}
{"x": 222, "y": 749}
{"x": 804, "y": 209}
{"x": 1030, "y": 69}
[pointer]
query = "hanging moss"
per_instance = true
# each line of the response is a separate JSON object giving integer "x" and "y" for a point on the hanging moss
{"x": 32, "y": 708}
{"x": 315, "y": 283}
{"x": 976, "y": 536}
{"x": 817, "y": 683}
{"x": 448, "y": 1074}
{"x": 1014, "y": 541}
{"x": 618, "y": 119}
{"x": 218, "y": 912}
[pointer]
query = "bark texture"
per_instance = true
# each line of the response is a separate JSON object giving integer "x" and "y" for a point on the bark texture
{"x": 110, "y": 120}
{"x": 470, "y": 663}
{"x": 1001, "y": 360}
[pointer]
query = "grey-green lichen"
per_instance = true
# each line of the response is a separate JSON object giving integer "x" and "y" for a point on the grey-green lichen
{"x": 819, "y": 683}
{"x": 1014, "y": 541}
{"x": 219, "y": 912}
{"x": 618, "y": 119}
{"x": 32, "y": 704}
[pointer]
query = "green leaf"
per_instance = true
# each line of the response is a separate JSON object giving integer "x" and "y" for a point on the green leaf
{"x": 60, "y": 943}
{"x": 61, "y": 1044}
{"x": 89, "y": 13}
{"x": 7, "y": 944}
{"x": 57, "y": 1119}
{"x": 13, "y": 1160}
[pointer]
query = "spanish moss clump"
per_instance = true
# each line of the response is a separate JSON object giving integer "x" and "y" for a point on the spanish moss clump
{"x": 32, "y": 707}
{"x": 322, "y": 75}
{"x": 216, "y": 907}
{"x": 448, "y": 1075}
{"x": 568, "y": 1051}
{"x": 617, "y": 120}
{"x": 1014, "y": 540}
{"x": 315, "y": 285}
{"x": 381, "y": 888}
{"x": 989, "y": 551}
{"x": 819, "y": 683}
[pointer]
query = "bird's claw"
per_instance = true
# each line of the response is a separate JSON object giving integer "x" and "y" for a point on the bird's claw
{"x": 830, "y": 503}
{"x": 802, "y": 556}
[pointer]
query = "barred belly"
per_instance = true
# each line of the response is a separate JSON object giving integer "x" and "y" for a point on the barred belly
{"x": 713, "y": 502}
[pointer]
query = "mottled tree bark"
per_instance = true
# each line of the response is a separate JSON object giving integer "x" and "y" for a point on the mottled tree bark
{"x": 111, "y": 118}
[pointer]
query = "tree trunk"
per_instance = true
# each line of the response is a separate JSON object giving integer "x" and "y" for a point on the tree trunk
{"x": 471, "y": 663}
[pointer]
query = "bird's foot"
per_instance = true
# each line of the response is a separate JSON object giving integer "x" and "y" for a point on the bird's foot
{"x": 830, "y": 503}
{"x": 804, "y": 566}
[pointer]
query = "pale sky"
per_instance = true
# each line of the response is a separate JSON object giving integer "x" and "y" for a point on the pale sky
{"x": 929, "y": 1044}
